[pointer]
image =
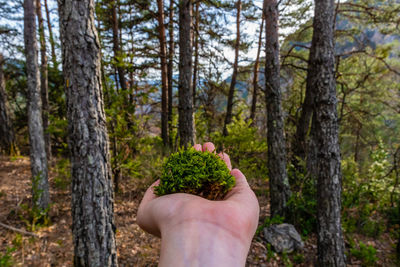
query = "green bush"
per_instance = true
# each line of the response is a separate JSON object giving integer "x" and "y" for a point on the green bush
{"x": 367, "y": 254}
{"x": 6, "y": 259}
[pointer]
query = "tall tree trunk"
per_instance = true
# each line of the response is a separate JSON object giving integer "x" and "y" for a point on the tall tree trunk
{"x": 255, "y": 75}
{"x": 116, "y": 45}
{"x": 196, "y": 50}
{"x": 170, "y": 67}
{"x": 228, "y": 116}
{"x": 186, "y": 121}
{"x": 278, "y": 180}
{"x": 44, "y": 82}
{"x": 40, "y": 184}
{"x": 6, "y": 128}
{"x": 164, "y": 73}
{"x": 92, "y": 195}
{"x": 51, "y": 39}
{"x": 321, "y": 78}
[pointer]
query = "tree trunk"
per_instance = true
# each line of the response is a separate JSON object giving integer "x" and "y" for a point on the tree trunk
{"x": 278, "y": 180}
{"x": 321, "y": 78}
{"x": 51, "y": 39}
{"x": 170, "y": 67}
{"x": 186, "y": 129}
{"x": 40, "y": 184}
{"x": 196, "y": 50}
{"x": 255, "y": 76}
{"x": 6, "y": 128}
{"x": 164, "y": 73}
{"x": 44, "y": 82}
{"x": 116, "y": 46}
{"x": 92, "y": 195}
{"x": 228, "y": 116}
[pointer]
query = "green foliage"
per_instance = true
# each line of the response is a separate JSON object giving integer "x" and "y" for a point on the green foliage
{"x": 62, "y": 180}
{"x": 367, "y": 254}
{"x": 303, "y": 202}
{"x": 195, "y": 172}
{"x": 245, "y": 147}
{"x": 6, "y": 259}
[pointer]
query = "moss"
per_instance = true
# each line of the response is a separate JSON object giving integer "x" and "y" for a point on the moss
{"x": 195, "y": 172}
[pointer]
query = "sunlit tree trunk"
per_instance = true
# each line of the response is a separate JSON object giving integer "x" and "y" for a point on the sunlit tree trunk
{"x": 196, "y": 50}
{"x": 51, "y": 38}
{"x": 255, "y": 74}
{"x": 231, "y": 93}
{"x": 92, "y": 202}
{"x": 40, "y": 184}
{"x": 171, "y": 51}
{"x": 186, "y": 121}
{"x": 278, "y": 179}
{"x": 321, "y": 79}
{"x": 44, "y": 83}
{"x": 164, "y": 72}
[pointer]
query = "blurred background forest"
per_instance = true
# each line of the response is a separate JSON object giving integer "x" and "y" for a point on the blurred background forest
{"x": 139, "y": 73}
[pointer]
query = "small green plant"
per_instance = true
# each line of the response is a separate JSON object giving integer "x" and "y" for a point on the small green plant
{"x": 63, "y": 178}
{"x": 367, "y": 254}
{"x": 6, "y": 259}
{"x": 2, "y": 194}
{"x": 195, "y": 172}
{"x": 286, "y": 260}
{"x": 298, "y": 258}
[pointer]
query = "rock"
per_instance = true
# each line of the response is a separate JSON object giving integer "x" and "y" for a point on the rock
{"x": 283, "y": 237}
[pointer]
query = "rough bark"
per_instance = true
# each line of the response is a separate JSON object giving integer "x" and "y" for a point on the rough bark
{"x": 51, "y": 39}
{"x": 92, "y": 195}
{"x": 228, "y": 116}
{"x": 116, "y": 45}
{"x": 6, "y": 126}
{"x": 255, "y": 75}
{"x": 321, "y": 78}
{"x": 171, "y": 49}
{"x": 196, "y": 49}
{"x": 40, "y": 184}
{"x": 278, "y": 180}
{"x": 44, "y": 82}
{"x": 164, "y": 72}
{"x": 186, "y": 121}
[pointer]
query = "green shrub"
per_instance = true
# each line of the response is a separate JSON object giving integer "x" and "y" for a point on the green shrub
{"x": 367, "y": 254}
{"x": 6, "y": 259}
{"x": 62, "y": 180}
{"x": 195, "y": 172}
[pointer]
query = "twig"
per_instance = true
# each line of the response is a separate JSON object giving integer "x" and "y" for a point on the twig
{"x": 18, "y": 230}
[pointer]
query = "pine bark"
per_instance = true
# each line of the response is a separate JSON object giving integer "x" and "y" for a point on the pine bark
{"x": 321, "y": 78}
{"x": 255, "y": 75}
{"x": 92, "y": 195}
{"x": 196, "y": 38}
{"x": 164, "y": 72}
{"x": 171, "y": 51}
{"x": 44, "y": 82}
{"x": 117, "y": 46}
{"x": 6, "y": 126}
{"x": 40, "y": 184}
{"x": 278, "y": 179}
{"x": 186, "y": 121}
{"x": 51, "y": 38}
{"x": 229, "y": 108}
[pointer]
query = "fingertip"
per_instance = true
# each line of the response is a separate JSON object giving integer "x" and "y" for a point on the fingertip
{"x": 208, "y": 146}
{"x": 197, "y": 147}
{"x": 226, "y": 159}
{"x": 240, "y": 178}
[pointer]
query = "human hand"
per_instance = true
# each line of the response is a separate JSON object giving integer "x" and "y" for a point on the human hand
{"x": 198, "y": 232}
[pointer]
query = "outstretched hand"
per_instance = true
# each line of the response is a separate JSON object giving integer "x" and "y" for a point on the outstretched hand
{"x": 197, "y": 231}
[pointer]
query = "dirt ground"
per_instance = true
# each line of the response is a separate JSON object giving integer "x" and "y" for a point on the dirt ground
{"x": 54, "y": 246}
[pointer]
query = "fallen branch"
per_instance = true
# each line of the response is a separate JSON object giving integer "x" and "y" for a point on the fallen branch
{"x": 18, "y": 230}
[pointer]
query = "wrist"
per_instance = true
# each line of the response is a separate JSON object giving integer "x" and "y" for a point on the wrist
{"x": 194, "y": 243}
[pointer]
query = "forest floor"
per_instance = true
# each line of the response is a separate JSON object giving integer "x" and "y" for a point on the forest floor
{"x": 53, "y": 246}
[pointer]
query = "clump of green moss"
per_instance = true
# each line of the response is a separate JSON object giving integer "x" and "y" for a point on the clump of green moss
{"x": 195, "y": 172}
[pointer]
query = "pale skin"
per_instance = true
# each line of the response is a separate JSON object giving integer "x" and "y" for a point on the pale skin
{"x": 198, "y": 232}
